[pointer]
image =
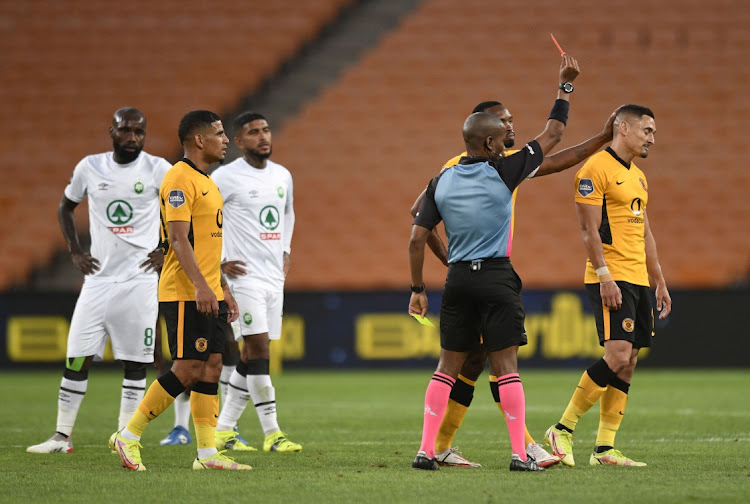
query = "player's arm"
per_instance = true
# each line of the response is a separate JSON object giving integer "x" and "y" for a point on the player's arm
{"x": 428, "y": 216}
{"x": 552, "y": 133}
{"x": 433, "y": 240}
{"x": 82, "y": 260}
{"x": 418, "y": 300}
{"x": 233, "y": 309}
{"x": 573, "y": 155}
{"x": 289, "y": 219}
{"x": 590, "y": 219}
{"x": 655, "y": 275}
{"x": 205, "y": 299}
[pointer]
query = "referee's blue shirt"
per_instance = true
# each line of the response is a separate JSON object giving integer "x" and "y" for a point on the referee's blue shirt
{"x": 475, "y": 200}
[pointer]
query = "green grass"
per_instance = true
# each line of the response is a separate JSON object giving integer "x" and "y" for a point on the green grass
{"x": 360, "y": 431}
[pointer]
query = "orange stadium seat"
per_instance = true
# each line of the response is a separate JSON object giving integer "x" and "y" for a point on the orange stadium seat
{"x": 68, "y": 65}
{"x": 391, "y": 120}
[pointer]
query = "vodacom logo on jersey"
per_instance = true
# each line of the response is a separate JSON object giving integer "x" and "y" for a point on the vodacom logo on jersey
{"x": 119, "y": 213}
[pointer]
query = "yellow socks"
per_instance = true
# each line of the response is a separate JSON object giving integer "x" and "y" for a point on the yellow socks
{"x": 205, "y": 410}
{"x": 612, "y": 408}
{"x": 461, "y": 395}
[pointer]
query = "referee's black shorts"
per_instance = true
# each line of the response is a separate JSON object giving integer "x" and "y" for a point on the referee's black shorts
{"x": 484, "y": 301}
{"x": 193, "y": 335}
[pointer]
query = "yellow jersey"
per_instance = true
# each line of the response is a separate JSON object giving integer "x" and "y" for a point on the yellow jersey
{"x": 622, "y": 191}
{"x": 189, "y": 195}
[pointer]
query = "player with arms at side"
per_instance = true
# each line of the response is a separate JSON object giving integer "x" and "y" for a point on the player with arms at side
{"x": 258, "y": 203}
{"x": 481, "y": 301}
{"x": 194, "y": 297}
{"x": 462, "y": 393}
{"x": 611, "y": 200}
{"x": 119, "y": 294}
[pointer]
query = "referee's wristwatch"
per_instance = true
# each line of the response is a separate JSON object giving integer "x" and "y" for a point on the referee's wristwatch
{"x": 566, "y": 87}
{"x": 418, "y": 289}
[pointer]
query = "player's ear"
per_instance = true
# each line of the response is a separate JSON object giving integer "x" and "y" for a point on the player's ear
{"x": 198, "y": 140}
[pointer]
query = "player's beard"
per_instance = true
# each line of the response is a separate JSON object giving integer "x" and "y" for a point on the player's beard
{"x": 508, "y": 143}
{"x": 257, "y": 155}
{"x": 125, "y": 155}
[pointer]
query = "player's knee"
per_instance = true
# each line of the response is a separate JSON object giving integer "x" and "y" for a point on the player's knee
{"x": 618, "y": 362}
{"x": 76, "y": 375}
{"x": 79, "y": 365}
{"x": 134, "y": 370}
{"x": 474, "y": 365}
{"x": 230, "y": 359}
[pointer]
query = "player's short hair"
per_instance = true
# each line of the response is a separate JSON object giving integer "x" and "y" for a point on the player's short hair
{"x": 634, "y": 111}
{"x": 195, "y": 120}
{"x": 244, "y": 118}
{"x": 486, "y": 105}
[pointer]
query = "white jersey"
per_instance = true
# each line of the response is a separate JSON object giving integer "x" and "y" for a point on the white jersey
{"x": 258, "y": 219}
{"x": 124, "y": 212}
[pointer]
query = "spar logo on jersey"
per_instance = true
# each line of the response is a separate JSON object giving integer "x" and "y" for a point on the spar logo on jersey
{"x": 585, "y": 187}
{"x": 269, "y": 217}
{"x": 176, "y": 198}
{"x": 119, "y": 213}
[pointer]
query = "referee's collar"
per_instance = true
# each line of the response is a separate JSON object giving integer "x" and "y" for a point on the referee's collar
{"x": 474, "y": 159}
{"x": 618, "y": 158}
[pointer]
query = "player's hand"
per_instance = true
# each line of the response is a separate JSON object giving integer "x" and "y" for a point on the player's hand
{"x": 611, "y": 295}
{"x": 234, "y": 310}
{"x": 663, "y": 301}
{"x": 418, "y": 303}
{"x": 155, "y": 261}
{"x": 85, "y": 263}
{"x": 234, "y": 268}
{"x": 287, "y": 263}
{"x": 205, "y": 301}
{"x": 608, "y": 131}
{"x": 569, "y": 69}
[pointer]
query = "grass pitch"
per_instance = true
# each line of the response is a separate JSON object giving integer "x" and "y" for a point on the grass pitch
{"x": 361, "y": 429}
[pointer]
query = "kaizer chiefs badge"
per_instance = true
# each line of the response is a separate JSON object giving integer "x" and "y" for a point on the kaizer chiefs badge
{"x": 628, "y": 324}
{"x": 201, "y": 344}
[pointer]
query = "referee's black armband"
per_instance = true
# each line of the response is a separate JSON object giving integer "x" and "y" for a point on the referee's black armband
{"x": 560, "y": 111}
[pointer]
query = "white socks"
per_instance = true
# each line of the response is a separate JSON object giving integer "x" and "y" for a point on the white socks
{"x": 182, "y": 411}
{"x": 132, "y": 394}
{"x": 235, "y": 402}
{"x": 68, "y": 403}
{"x": 264, "y": 397}
{"x": 226, "y": 374}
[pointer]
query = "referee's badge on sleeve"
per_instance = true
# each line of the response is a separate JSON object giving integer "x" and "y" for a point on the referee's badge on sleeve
{"x": 585, "y": 187}
{"x": 176, "y": 198}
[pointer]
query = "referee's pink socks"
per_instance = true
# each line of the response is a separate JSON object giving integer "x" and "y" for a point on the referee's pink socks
{"x": 435, "y": 402}
{"x": 514, "y": 404}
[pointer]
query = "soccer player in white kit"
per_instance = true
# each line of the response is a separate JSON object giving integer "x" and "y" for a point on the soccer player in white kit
{"x": 258, "y": 225}
{"x": 119, "y": 295}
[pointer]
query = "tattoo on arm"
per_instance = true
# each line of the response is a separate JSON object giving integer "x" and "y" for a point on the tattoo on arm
{"x": 581, "y": 153}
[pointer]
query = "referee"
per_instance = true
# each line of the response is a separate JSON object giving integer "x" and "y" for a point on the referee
{"x": 482, "y": 294}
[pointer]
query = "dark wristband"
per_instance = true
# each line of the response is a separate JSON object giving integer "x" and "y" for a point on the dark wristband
{"x": 418, "y": 289}
{"x": 560, "y": 111}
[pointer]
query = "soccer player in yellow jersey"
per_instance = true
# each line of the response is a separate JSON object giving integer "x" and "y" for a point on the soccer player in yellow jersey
{"x": 462, "y": 392}
{"x": 194, "y": 297}
{"x": 611, "y": 199}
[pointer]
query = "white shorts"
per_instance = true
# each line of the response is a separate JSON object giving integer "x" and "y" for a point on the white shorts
{"x": 125, "y": 311}
{"x": 260, "y": 311}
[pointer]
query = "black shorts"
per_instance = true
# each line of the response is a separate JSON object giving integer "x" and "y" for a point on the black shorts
{"x": 193, "y": 335}
{"x": 482, "y": 303}
{"x": 633, "y": 322}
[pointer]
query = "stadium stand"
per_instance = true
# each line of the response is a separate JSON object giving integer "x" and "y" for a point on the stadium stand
{"x": 368, "y": 145}
{"x": 365, "y": 147}
{"x": 67, "y": 65}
